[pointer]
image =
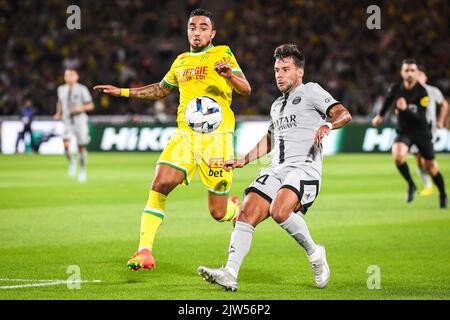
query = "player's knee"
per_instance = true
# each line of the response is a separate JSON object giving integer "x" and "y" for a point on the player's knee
{"x": 251, "y": 214}
{"x": 66, "y": 145}
{"x": 245, "y": 216}
{"x": 279, "y": 214}
{"x": 217, "y": 213}
{"x": 162, "y": 186}
{"x": 399, "y": 159}
{"x": 431, "y": 168}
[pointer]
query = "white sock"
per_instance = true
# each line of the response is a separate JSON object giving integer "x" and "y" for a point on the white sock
{"x": 83, "y": 159}
{"x": 425, "y": 178}
{"x": 297, "y": 228}
{"x": 69, "y": 155}
{"x": 240, "y": 242}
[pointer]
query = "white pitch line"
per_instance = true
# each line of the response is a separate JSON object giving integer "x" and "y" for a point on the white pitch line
{"x": 52, "y": 283}
{"x": 29, "y": 280}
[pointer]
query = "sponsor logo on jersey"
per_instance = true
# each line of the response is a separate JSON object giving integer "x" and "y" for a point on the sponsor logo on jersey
{"x": 228, "y": 61}
{"x": 189, "y": 74}
{"x": 285, "y": 122}
{"x": 216, "y": 163}
{"x": 216, "y": 173}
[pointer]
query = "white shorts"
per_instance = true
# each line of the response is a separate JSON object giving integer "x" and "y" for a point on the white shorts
{"x": 301, "y": 179}
{"x": 77, "y": 126}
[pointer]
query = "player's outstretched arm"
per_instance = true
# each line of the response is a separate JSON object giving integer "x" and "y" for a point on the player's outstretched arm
{"x": 57, "y": 115}
{"x": 340, "y": 116}
{"x": 377, "y": 120}
{"x": 390, "y": 97}
{"x": 153, "y": 91}
{"x": 442, "y": 115}
{"x": 263, "y": 147}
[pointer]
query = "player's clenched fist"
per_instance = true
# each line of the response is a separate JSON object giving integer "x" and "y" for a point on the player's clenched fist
{"x": 320, "y": 133}
{"x": 233, "y": 164}
{"x": 377, "y": 121}
{"x": 109, "y": 89}
{"x": 401, "y": 104}
{"x": 223, "y": 69}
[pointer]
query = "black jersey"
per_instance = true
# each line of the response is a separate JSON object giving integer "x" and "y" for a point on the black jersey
{"x": 413, "y": 120}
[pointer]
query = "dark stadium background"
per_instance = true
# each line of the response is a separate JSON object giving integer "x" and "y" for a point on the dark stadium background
{"x": 132, "y": 43}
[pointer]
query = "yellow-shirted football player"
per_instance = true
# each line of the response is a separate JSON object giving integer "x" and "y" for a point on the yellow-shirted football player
{"x": 206, "y": 70}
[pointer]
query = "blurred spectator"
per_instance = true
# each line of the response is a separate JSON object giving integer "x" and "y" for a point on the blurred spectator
{"x": 27, "y": 112}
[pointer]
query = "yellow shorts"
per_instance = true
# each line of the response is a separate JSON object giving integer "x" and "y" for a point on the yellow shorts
{"x": 189, "y": 150}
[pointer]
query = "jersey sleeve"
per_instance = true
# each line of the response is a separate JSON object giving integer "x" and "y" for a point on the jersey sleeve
{"x": 390, "y": 96}
{"x": 86, "y": 95}
{"x": 424, "y": 98}
{"x": 58, "y": 93}
{"x": 229, "y": 58}
{"x": 170, "y": 79}
{"x": 270, "y": 129}
{"x": 321, "y": 99}
{"x": 439, "y": 96}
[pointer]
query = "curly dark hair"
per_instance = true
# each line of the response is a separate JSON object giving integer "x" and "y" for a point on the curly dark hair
{"x": 290, "y": 50}
{"x": 203, "y": 12}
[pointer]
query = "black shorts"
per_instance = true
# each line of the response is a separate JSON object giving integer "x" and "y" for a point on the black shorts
{"x": 424, "y": 144}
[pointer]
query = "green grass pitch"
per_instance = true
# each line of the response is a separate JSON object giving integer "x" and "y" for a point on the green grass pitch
{"x": 49, "y": 222}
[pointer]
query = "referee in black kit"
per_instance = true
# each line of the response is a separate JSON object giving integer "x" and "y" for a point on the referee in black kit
{"x": 411, "y": 101}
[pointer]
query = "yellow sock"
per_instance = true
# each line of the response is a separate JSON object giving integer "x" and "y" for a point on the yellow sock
{"x": 152, "y": 218}
{"x": 232, "y": 211}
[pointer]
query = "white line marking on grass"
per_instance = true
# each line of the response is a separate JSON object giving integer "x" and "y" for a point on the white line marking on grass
{"x": 29, "y": 280}
{"x": 43, "y": 283}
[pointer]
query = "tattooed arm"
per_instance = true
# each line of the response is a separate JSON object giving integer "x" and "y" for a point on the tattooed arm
{"x": 263, "y": 147}
{"x": 153, "y": 91}
{"x": 339, "y": 118}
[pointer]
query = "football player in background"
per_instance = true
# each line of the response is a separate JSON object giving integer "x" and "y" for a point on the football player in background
{"x": 437, "y": 102}
{"x": 411, "y": 100}
{"x": 27, "y": 113}
{"x": 74, "y": 100}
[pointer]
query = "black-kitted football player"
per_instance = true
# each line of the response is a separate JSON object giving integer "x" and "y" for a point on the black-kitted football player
{"x": 411, "y": 100}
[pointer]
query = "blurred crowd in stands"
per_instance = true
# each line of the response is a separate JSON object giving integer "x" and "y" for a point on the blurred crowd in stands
{"x": 133, "y": 42}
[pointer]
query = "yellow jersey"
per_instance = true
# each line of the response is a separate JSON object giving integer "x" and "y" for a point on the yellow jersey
{"x": 194, "y": 75}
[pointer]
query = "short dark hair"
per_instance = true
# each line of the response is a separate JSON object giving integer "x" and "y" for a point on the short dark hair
{"x": 290, "y": 50}
{"x": 409, "y": 61}
{"x": 204, "y": 12}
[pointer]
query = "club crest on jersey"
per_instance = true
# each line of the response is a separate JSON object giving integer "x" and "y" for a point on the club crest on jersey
{"x": 205, "y": 57}
{"x": 297, "y": 100}
{"x": 424, "y": 101}
{"x": 228, "y": 61}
